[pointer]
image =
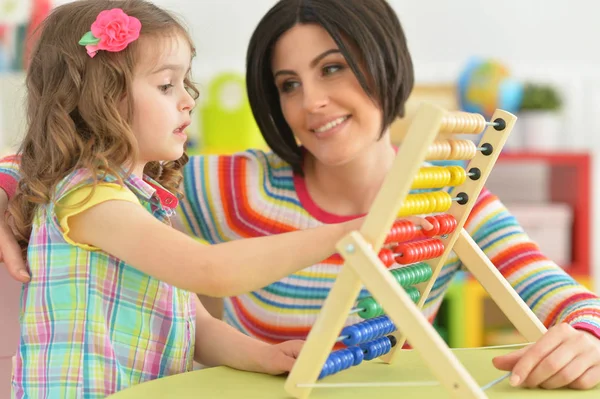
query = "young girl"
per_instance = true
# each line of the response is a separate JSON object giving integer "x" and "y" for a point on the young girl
{"x": 108, "y": 305}
{"x": 335, "y": 74}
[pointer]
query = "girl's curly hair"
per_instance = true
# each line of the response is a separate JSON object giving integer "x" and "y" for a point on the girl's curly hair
{"x": 73, "y": 118}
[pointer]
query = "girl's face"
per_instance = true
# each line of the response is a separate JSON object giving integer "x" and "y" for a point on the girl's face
{"x": 161, "y": 102}
{"x": 320, "y": 97}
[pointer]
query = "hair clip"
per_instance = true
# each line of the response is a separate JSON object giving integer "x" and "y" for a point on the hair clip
{"x": 112, "y": 30}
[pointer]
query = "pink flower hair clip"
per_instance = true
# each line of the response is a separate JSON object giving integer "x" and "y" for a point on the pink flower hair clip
{"x": 112, "y": 30}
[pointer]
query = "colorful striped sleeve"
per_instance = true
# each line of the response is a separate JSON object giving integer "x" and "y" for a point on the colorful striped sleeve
{"x": 215, "y": 187}
{"x": 553, "y": 295}
{"x": 226, "y": 197}
{"x": 200, "y": 178}
{"x": 9, "y": 174}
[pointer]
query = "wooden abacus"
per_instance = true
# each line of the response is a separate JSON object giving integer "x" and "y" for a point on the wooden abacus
{"x": 366, "y": 259}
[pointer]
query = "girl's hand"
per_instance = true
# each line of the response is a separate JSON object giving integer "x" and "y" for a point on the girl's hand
{"x": 280, "y": 358}
{"x": 563, "y": 357}
{"x": 356, "y": 224}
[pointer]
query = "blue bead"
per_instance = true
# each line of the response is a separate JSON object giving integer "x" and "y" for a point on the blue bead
{"x": 390, "y": 328}
{"x": 326, "y": 370}
{"x": 378, "y": 328}
{"x": 385, "y": 325}
{"x": 387, "y": 345}
{"x": 358, "y": 355}
{"x": 366, "y": 330}
{"x": 347, "y": 359}
{"x": 375, "y": 349}
{"x": 367, "y": 348}
{"x": 337, "y": 362}
{"x": 353, "y": 335}
{"x": 323, "y": 373}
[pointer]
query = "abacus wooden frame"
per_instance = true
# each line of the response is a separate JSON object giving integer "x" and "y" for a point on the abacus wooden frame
{"x": 362, "y": 265}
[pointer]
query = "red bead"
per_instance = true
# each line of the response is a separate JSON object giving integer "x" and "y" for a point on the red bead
{"x": 402, "y": 230}
{"x": 448, "y": 223}
{"x": 436, "y": 227}
{"x": 387, "y": 257}
{"x": 412, "y": 252}
{"x": 406, "y": 229}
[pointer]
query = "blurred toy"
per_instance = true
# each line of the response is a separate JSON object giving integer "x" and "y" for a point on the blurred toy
{"x": 227, "y": 123}
{"x": 486, "y": 85}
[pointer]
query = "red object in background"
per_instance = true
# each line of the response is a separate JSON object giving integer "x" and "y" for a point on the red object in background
{"x": 40, "y": 10}
{"x": 570, "y": 184}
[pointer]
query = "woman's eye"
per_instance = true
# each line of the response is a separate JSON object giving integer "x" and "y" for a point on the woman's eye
{"x": 329, "y": 69}
{"x": 288, "y": 86}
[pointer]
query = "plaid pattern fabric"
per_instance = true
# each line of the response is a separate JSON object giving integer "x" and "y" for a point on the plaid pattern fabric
{"x": 91, "y": 324}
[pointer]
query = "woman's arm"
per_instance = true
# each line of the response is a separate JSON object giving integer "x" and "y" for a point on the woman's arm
{"x": 10, "y": 252}
{"x": 127, "y": 231}
{"x": 553, "y": 295}
{"x": 568, "y": 355}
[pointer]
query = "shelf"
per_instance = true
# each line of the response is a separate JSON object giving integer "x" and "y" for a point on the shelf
{"x": 569, "y": 183}
{"x": 568, "y": 178}
{"x": 549, "y": 157}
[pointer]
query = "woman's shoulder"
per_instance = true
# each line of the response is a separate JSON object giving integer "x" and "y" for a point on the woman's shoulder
{"x": 254, "y": 160}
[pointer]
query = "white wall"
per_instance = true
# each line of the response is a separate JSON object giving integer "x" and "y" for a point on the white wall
{"x": 542, "y": 40}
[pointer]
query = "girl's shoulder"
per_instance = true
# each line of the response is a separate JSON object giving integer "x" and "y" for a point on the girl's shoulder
{"x": 79, "y": 178}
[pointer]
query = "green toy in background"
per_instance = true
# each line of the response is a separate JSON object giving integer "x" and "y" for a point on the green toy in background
{"x": 225, "y": 118}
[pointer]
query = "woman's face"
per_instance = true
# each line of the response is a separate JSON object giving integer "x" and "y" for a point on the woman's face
{"x": 321, "y": 98}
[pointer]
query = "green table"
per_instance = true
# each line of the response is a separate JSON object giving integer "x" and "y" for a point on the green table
{"x": 222, "y": 382}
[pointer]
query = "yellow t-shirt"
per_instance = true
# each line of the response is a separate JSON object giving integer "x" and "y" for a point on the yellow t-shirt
{"x": 77, "y": 201}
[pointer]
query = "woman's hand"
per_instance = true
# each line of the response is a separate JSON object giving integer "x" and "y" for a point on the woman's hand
{"x": 10, "y": 252}
{"x": 563, "y": 357}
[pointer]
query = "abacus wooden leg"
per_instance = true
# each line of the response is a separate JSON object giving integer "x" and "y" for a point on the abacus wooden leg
{"x": 408, "y": 318}
{"x": 511, "y": 304}
{"x": 322, "y": 336}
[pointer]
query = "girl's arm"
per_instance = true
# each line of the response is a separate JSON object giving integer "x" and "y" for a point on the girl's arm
{"x": 127, "y": 231}
{"x": 219, "y": 344}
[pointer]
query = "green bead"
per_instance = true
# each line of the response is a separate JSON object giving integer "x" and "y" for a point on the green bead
{"x": 370, "y": 308}
{"x": 413, "y": 274}
{"x": 413, "y": 293}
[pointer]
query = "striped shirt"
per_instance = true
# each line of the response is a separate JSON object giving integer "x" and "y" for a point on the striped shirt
{"x": 253, "y": 193}
{"x": 90, "y": 323}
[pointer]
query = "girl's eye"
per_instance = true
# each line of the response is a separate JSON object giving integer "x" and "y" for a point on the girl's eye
{"x": 165, "y": 88}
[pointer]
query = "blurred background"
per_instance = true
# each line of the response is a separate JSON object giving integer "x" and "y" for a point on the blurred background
{"x": 534, "y": 58}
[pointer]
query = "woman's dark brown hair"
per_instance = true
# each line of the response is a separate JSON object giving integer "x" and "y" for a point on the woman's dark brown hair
{"x": 73, "y": 105}
{"x": 369, "y": 36}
